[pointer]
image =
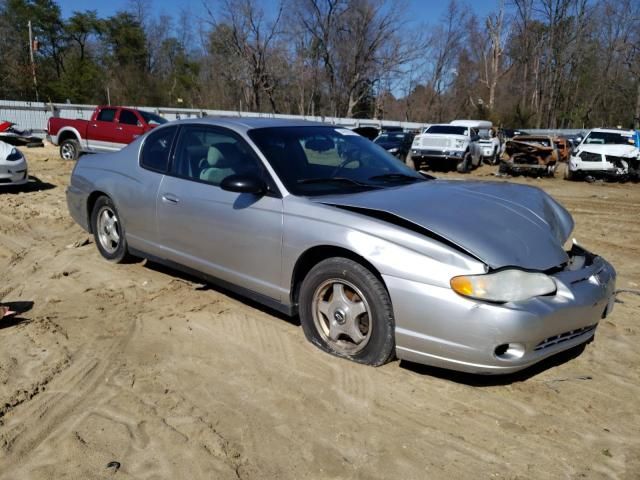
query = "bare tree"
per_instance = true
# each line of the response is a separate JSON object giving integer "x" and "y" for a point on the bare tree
{"x": 492, "y": 59}
{"x": 443, "y": 49}
{"x": 252, "y": 42}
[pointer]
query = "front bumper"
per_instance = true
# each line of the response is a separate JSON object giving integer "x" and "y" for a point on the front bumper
{"x": 435, "y": 326}
{"x": 438, "y": 155}
{"x": 14, "y": 173}
{"x": 526, "y": 167}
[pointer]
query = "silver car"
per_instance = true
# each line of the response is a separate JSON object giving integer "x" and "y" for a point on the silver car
{"x": 378, "y": 261}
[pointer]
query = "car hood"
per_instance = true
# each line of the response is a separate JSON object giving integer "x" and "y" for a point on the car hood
{"x": 501, "y": 224}
{"x": 614, "y": 150}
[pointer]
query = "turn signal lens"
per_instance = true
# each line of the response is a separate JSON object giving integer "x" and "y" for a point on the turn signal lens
{"x": 504, "y": 286}
{"x": 462, "y": 285}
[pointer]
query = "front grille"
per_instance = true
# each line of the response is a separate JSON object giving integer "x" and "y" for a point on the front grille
{"x": 434, "y": 142}
{"x": 563, "y": 337}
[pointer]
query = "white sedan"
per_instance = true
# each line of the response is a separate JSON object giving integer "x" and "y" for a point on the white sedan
{"x": 13, "y": 166}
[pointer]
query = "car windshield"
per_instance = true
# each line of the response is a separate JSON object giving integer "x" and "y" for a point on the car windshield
{"x": 389, "y": 138}
{"x": 318, "y": 160}
{"x": 609, "y": 138}
{"x": 447, "y": 130}
{"x": 152, "y": 118}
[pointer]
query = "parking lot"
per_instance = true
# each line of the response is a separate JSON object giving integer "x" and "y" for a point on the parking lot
{"x": 140, "y": 365}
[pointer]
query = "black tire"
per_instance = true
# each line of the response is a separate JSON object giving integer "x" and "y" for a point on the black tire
{"x": 503, "y": 169}
{"x": 417, "y": 164}
{"x": 114, "y": 251}
{"x": 379, "y": 347}
{"x": 465, "y": 165}
{"x": 70, "y": 149}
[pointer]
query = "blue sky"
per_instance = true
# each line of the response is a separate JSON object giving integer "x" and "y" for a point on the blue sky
{"x": 420, "y": 11}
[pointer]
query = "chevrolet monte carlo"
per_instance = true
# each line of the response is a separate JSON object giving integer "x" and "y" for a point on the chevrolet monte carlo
{"x": 377, "y": 260}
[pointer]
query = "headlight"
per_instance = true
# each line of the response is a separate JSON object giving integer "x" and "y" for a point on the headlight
{"x": 15, "y": 155}
{"x": 393, "y": 150}
{"x": 460, "y": 143}
{"x": 504, "y": 286}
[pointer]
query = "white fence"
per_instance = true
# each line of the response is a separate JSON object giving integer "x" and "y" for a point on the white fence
{"x": 34, "y": 115}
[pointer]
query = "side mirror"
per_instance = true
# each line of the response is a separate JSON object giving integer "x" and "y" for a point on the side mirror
{"x": 244, "y": 184}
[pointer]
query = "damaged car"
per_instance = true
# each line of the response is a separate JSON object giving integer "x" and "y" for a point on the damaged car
{"x": 607, "y": 154}
{"x": 378, "y": 260}
{"x": 13, "y": 166}
{"x": 530, "y": 154}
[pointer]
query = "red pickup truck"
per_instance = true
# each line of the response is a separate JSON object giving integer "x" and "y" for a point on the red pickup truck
{"x": 110, "y": 129}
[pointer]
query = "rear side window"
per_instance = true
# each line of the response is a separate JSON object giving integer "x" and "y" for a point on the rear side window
{"x": 107, "y": 115}
{"x": 156, "y": 149}
{"x": 128, "y": 117}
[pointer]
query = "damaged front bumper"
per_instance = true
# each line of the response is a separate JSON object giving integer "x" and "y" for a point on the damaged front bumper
{"x": 479, "y": 337}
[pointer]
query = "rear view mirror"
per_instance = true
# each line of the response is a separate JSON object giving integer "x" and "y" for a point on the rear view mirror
{"x": 319, "y": 144}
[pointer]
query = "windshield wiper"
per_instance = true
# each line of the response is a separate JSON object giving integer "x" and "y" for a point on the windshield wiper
{"x": 396, "y": 176}
{"x": 306, "y": 181}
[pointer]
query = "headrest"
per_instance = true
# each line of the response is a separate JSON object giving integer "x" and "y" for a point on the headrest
{"x": 214, "y": 157}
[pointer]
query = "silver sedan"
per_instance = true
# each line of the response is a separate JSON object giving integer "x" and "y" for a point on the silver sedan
{"x": 378, "y": 261}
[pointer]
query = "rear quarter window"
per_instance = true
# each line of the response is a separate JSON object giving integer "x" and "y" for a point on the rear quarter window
{"x": 157, "y": 148}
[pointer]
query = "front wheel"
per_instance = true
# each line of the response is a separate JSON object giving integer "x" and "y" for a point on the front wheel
{"x": 345, "y": 310}
{"x": 465, "y": 165}
{"x": 70, "y": 149}
{"x": 108, "y": 231}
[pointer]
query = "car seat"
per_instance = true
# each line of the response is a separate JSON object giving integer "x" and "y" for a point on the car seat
{"x": 217, "y": 167}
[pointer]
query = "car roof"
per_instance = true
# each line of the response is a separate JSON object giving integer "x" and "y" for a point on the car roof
{"x": 250, "y": 123}
{"x": 612, "y": 130}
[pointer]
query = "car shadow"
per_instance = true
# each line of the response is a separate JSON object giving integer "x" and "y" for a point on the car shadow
{"x": 20, "y": 308}
{"x": 203, "y": 285}
{"x": 33, "y": 185}
{"x": 478, "y": 380}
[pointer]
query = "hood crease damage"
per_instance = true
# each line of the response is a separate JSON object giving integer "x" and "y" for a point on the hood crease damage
{"x": 500, "y": 224}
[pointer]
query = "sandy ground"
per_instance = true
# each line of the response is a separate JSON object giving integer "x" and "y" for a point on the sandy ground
{"x": 142, "y": 366}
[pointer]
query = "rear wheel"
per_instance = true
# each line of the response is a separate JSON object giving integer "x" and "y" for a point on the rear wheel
{"x": 345, "y": 310}
{"x": 108, "y": 231}
{"x": 70, "y": 149}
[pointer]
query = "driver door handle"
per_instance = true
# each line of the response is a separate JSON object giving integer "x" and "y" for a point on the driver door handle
{"x": 170, "y": 198}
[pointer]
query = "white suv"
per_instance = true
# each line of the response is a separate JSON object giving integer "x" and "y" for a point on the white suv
{"x": 445, "y": 145}
{"x": 605, "y": 153}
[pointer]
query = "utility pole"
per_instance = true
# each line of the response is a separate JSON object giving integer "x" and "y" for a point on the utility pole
{"x": 33, "y": 63}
